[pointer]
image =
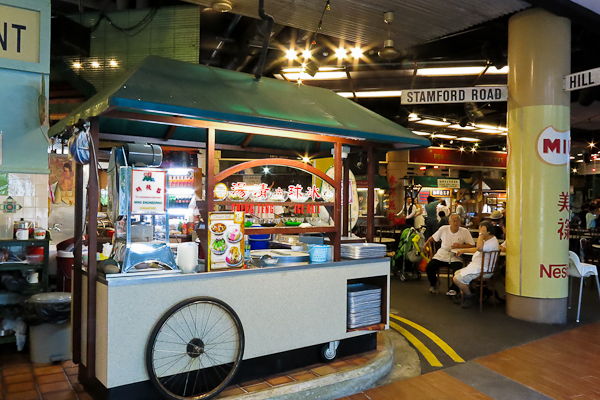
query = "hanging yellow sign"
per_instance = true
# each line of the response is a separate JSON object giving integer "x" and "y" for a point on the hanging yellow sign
{"x": 19, "y": 34}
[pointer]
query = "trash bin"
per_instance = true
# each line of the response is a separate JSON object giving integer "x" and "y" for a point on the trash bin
{"x": 64, "y": 261}
{"x": 49, "y": 318}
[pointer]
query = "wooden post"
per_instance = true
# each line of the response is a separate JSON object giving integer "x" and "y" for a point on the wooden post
{"x": 209, "y": 202}
{"x": 76, "y": 274}
{"x": 92, "y": 247}
{"x": 346, "y": 198}
{"x": 371, "y": 194}
{"x": 337, "y": 209}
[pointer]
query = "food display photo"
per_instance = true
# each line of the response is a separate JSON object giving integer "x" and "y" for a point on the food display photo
{"x": 226, "y": 240}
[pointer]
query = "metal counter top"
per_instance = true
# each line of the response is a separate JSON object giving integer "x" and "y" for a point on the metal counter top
{"x": 132, "y": 279}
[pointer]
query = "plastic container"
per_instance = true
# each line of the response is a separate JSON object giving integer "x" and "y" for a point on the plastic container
{"x": 6, "y": 227}
{"x": 64, "y": 260}
{"x": 259, "y": 242}
{"x": 318, "y": 253}
{"x": 50, "y": 340}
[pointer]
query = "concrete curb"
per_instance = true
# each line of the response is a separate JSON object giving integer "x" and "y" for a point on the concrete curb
{"x": 334, "y": 386}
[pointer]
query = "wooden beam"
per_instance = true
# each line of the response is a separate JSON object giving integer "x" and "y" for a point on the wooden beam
{"x": 223, "y": 126}
{"x": 317, "y": 147}
{"x": 337, "y": 209}
{"x": 274, "y": 161}
{"x": 170, "y": 132}
{"x": 371, "y": 194}
{"x": 93, "y": 197}
{"x": 77, "y": 250}
{"x": 247, "y": 140}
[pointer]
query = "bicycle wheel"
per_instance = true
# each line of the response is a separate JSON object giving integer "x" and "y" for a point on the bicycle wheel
{"x": 195, "y": 349}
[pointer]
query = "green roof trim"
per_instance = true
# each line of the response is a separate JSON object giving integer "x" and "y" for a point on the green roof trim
{"x": 170, "y": 87}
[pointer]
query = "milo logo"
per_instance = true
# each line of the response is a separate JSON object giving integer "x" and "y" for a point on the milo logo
{"x": 553, "y": 147}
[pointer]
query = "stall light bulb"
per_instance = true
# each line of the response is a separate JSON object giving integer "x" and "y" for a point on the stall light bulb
{"x": 76, "y": 65}
{"x": 357, "y": 52}
{"x": 592, "y": 144}
{"x": 340, "y": 53}
{"x": 473, "y": 150}
{"x": 306, "y": 53}
{"x": 574, "y": 170}
{"x": 266, "y": 170}
{"x": 504, "y": 149}
{"x": 435, "y": 167}
{"x": 423, "y": 168}
{"x": 95, "y": 64}
{"x": 290, "y": 54}
{"x": 113, "y": 63}
{"x": 305, "y": 159}
{"x": 462, "y": 149}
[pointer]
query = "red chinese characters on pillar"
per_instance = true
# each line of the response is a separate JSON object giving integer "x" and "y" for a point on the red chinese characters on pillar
{"x": 563, "y": 223}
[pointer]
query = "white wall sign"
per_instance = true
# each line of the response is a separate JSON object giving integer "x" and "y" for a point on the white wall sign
{"x": 148, "y": 191}
{"x": 554, "y": 147}
{"x": 449, "y": 183}
{"x": 455, "y": 95}
{"x": 582, "y": 80}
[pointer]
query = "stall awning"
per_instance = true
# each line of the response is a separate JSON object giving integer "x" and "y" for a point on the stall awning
{"x": 491, "y": 184}
{"x": 168, "y": 87}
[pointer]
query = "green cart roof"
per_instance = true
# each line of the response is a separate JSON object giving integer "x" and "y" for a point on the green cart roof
{"x": 163, "y": 86}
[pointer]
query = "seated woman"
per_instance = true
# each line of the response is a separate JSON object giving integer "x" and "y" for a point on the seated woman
{"x": 485, "y": 242}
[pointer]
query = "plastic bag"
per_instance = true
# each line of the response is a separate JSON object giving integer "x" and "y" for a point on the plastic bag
{"x": 47, "y": 308}
{"x": 19, "y": 327}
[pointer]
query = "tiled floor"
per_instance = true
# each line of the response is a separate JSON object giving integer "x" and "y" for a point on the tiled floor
{"x": 304, "y": 374}
{"x": 22, "y": 380}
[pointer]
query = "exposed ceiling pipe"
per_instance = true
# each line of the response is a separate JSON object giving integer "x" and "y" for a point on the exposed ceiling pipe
{"x": 227, "y": 34}
{"x": 263, "y": 54}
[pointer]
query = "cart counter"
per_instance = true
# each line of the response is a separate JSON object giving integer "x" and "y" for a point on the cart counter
{"x": 280, "y": 308}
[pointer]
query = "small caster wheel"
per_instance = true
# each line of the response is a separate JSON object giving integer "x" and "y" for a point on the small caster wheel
{"x": 402, "y": 277}
{"x": 329, "y": 351}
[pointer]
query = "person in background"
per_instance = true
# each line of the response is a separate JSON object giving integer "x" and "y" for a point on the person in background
{"x": 590, "y": 217}
{"x": 582, "y": 213}
{"x": 460, "y": 210}
{"x": 486, "y": 241}
{"x": 498, "y": 226}
{"x": 419, "y": 218}
{"x": 431, "y": 221}
{"x": 443, "y": 219}
{"x": 442, "y": 207}
{"x": 409, "y": 211}
{"x": 452, "y": 237}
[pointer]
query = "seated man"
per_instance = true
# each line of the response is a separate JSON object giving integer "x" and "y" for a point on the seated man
{"x": 452, "y": 237}
{"x": 485, "y": 242}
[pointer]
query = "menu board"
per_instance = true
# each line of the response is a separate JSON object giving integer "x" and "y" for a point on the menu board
{"x": 226, "y": 240}
{"x": 148, "y": 191}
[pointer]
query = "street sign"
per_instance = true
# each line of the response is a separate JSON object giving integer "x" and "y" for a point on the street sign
{"x": 455, "y": 95}
{"x": 582, "y": 80}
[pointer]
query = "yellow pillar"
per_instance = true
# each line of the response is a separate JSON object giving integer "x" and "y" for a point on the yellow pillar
{"x": 539, "y": 54}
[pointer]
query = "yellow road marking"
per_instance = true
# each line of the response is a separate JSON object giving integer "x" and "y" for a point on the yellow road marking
{"x": 436, "y": 339}
{"x": 429, "y": 356}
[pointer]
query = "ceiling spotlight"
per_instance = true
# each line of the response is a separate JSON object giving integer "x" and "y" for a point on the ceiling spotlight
{"x": 266, "y": 170}
{"x": 113, "y": 63}
{"x": 452, "y": 141}
{"x": 473, "y": 149}
{"x": 462, "y": 149}
{"x": 413, "y": 117}
{"x": 574, "y": 170}
{"x": 305, "y": 159}
{"x": 306, "y": 53}
{"x": 290, "y": 54}
{"x": 299, "y": 81}
{"x": 571, "y": 158}
{"x": 389, "y": 52}
{"x": 340, "y": 53}
{"x": 476, "y": 144}
{"x": 76, "y": 65}
{"x": 592, "y": 144}
{"x": 95, "y": 64}
{"x": 221, "y": 5}
{"x": 357, "y": 52}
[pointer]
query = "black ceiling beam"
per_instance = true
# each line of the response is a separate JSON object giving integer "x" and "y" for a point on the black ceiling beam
{"x": 578, "y": 14}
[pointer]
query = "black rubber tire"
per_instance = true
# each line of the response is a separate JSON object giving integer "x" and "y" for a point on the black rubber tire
{"x": 323, "y": 353}
{"x": 157, "y": 329}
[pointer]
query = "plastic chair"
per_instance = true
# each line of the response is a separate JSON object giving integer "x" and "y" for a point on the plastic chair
{"x": 580, "y": 270}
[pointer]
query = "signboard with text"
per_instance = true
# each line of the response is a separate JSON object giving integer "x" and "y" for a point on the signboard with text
{"x": 454, "y": 95}
{"x": 454, "y": 157}
{"x": 19, "y": 34}
{"x": 148, "y": 191}
{"x": 582, "y": 80}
